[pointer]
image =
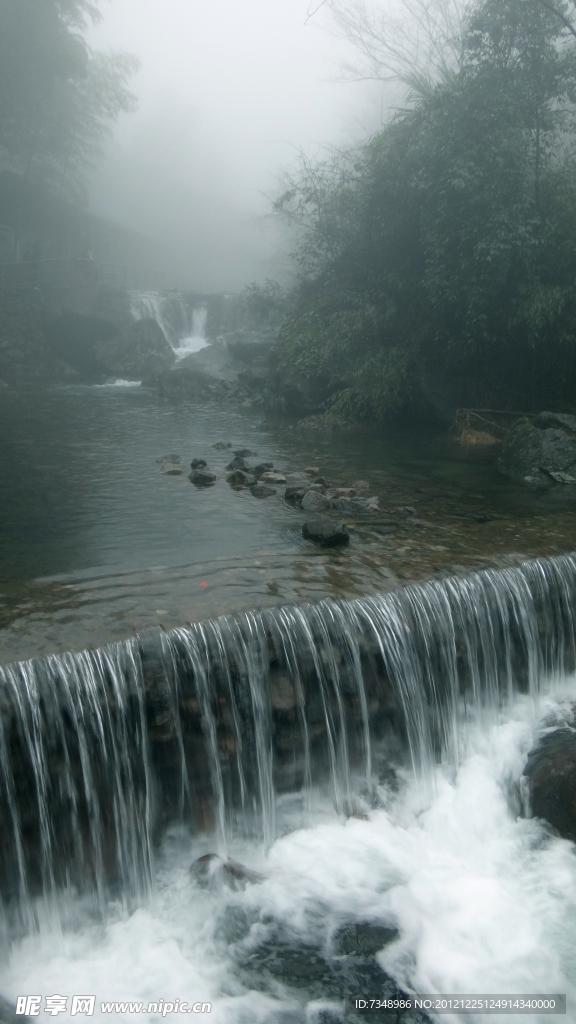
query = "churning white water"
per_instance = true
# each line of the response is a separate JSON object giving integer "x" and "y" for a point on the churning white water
{"x": 363, "y": 759}
{"x": 184, "y": 326}
{"x": 483, "y": 898}
{"x": 197, "y": 339}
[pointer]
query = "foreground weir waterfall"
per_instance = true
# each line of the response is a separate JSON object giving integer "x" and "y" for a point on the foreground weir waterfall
{"x": 363, "y": 759}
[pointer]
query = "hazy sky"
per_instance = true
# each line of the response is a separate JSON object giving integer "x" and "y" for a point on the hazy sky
{"x": 229, "y": 91}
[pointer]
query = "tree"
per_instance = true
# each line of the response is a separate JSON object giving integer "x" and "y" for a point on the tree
{"x": 447, "y": 243}
{"x": 412, "y": 41}
{"x": 57, "y": 97}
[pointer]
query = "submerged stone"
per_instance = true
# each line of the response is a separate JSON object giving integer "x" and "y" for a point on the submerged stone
{"x": 239, "y": 478}
{"x": 262, "y": 491}
{"x": 202, "y": 477}
{"x": 325, "y": 531}
{"x": 273, "y": 478}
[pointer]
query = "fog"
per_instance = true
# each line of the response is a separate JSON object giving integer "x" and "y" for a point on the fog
{"x": 229, "y": 92}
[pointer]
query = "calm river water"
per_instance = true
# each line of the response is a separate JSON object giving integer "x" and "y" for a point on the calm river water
{"x": 96, "y": 543}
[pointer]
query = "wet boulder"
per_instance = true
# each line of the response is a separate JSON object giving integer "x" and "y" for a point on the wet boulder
{"x": 262, "y": 467}
{"x": 356, "y": 506}
{"x": 202, "y": 477}
{"x": 540, "y": 452}
{"x": 313, "y": 501}
{"x": 222, "y": 445}
{"x": 244, "y": 453}
{"x": 211, "y": 871}
{"x": 239, "y": 478}
{"x": 551, "y": 774}
{"x": 198, "y": 464}
{"x": 294, "y": 494}
{"x": 325, "y": 531}
{"x": 172, "y": 468}
{"x": 239, "y": 463}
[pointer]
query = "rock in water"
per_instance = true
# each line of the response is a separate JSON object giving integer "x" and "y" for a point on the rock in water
{"x": 202, "y": 477}
{"x": 540, "y": 453}
{"x": 363, "y": 939}
{"x": 221, "y": 445}
{"x": 239, "y": 478}
{"x": 273, "y": 478}
{"x": 262, "y": 491}
{"x": 210, "y": 870}
{"x": 244, "y": 453}
{"x": 356, "y": 506}
{"x": 551, "y": 774}
{"x": 295, "y": 494}
{"x": 239, "y": 463}
{"x": 172, "y": 468}
{"x": 315, "y": 502}
{"x": 198, "y": 464}
{"x": 263, "y": 467}
{"x": 561, "y": 420}
{"x": 325, "y": 531}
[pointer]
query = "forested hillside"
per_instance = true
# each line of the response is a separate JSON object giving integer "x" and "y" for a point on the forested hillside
{"x": 437, "y": 262}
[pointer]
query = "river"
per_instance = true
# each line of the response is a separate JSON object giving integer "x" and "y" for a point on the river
{"x": 97, "y": 544}
{"x": 353, "y": 771}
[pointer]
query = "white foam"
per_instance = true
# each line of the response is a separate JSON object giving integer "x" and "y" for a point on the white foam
{"x": 189, "y": 345}
{"x": 484, "y": 900}
{"x": 120, "y": 383}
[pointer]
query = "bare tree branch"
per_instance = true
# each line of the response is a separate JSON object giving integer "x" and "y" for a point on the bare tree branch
{"x": 565, "y": 21}
{"x": 314, "y": 8}
{"x": 403, "y": 39}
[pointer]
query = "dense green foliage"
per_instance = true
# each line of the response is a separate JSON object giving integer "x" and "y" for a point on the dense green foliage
{"x": 57, "y": 97}
{"x": 438, "y": 261}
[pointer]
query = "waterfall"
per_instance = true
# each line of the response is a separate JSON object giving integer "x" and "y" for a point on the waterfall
{"x": 183, "y": 325}
{"x": 205, "y": 727}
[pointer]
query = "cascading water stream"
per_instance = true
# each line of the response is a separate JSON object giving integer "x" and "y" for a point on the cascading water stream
{"x": 206, "y": 727}
{"x": 184, "y": 325}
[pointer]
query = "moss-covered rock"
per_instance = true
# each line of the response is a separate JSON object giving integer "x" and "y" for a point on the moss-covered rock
{"x": 539, "y": 454}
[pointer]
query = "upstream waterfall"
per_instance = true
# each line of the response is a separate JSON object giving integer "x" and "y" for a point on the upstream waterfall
{"x": 206, "y": 727}
{"x": 183, "y": 323}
